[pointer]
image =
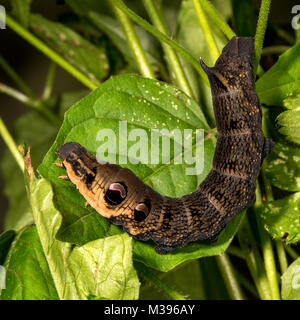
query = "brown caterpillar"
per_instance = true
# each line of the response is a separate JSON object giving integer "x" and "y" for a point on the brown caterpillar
{"x": 120, "y": 196}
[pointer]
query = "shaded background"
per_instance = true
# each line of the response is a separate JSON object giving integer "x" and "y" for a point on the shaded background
{"x": 32, "y": 65}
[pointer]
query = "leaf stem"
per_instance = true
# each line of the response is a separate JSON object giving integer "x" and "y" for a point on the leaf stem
{"x": 292, "y": 253}
{"x": 217, "y": 19}
{"x": 15, "y": 77}
{"x": 246, "y": 283}
{"x": 25, "y": 34}
{"x": 229, "y": 276}
{"x": 260, "y": 30}
{"x": 281, "y": 33}
{"x": 274, "y": 50}
{"x": 235, "y": 251}
{"x": 134, "y": 43}
{"x": 147, "y": 26}
{"x": 12, "y": 146}
{"x": 161, "y": 284}
{"x": 170, "y": 53}
{"x": 33, "y": 103}
{"x": 210, "y": 40}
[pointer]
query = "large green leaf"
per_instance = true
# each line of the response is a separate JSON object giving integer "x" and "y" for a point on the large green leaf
{"x": 27, "y": 273}
{"x": 282, "y": 79}
{"x": 89, "y": 59}
{"x": 291, "y": 282}
{"x": 289, "y": 121}
{"x": 145, "y": 104}
{"x": 283, "y": 169}
{"x": 281, "y": 218}
{"x": 101, "y": 269}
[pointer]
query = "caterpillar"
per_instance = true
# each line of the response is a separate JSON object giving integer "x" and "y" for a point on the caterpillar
{"x": 120, "y": 196}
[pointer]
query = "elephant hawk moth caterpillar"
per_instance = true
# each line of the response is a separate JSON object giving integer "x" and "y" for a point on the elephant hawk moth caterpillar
{"x": 120, "y": 196}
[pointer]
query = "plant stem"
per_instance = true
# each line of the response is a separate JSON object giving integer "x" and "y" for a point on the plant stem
{"x": 15, "y": 77}
{"x": 284, "y": 35}
{"x": 147, "y": 26}
{"x": 25, "y": 34}
{"x": 253, "y": 260}
{"x": 292, "y": 253}
{"x": 269, "y": 259}
{"x": 246, "y": 283}
{"x": 12, "y": 146}
{"x": 281, "y": 256}
{"x": 33, "y": 103}
{"x": 210, "y": 40}
{"x": 161, "y": 284}
{"x": 134, "y": 43}
{"x": 235, "y": 251}
{"x": 49, "y": 81}
{"x": 229, "y": 276}
{"x": 170, "y": 53}
{"x": 217, "y": 19}
{"x": 274, "y": 50}
{"x": 16, "y": 95}
{"x": 260, "y": 30}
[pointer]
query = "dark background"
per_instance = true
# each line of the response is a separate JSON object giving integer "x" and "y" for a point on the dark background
{"x": 32, "y": 65}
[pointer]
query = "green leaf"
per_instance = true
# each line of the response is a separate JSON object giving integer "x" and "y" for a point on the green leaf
{"x": 281, "y": 218}
{"x": 293, "y": 100}
{"x": 283, "y": 169}
{"x": 21, "y": 10}
{"x": 27, "y": 273}
{"x": 102, "y": 268}
{"x": 6, "y": 239}
{"x": 289, "y": 121}
{"x": 145, "y": 104}
{"x": 89, "y": 59}
{"x": 282, "y": 79}
{"x": 291, "y": 282}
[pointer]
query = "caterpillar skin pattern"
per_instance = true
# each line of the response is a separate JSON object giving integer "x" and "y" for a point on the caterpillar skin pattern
{"x": 120, "y": 196}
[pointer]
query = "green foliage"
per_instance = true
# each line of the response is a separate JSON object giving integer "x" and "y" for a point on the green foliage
{"x": 89, "y": 59}
{"x": 28, "y": 276}
{"x": 283, "y": 170}
{"x": 54, "y": 247}
{"x": 289, "y": 121}
{"x": 21, "y": 10}
{"x": 281, "y": 218}
{"x": 102, "y": 268}
{"x": 132, "y": 98}
{"x": 291, "y": 282}
{"x": 282, "y": 79}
